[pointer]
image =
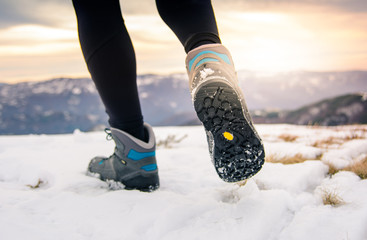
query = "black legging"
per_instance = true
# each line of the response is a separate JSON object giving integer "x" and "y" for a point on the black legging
{"x": 110, "y": 55}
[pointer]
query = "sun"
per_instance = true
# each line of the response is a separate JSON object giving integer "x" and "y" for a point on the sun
{"x": 268, "y": 41}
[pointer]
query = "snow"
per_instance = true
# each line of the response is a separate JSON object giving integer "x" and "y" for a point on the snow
{"x": 206, "y": 72}
{"x": 294, "y": 178}
{"x": 346, "y": 153}
{"x": 45, "y": 193}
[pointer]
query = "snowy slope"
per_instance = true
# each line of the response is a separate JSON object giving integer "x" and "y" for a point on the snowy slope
{"x": 281, "y": 202}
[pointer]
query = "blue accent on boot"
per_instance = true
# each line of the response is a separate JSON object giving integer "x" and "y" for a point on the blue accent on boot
{"x": 223, "y": 56}
{"x": 100, "y": 162}
{"x": 149, "y": 167}
{"x": 134, "y": 155}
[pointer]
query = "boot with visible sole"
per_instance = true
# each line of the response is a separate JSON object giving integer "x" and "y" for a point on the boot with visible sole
{"x": 235, "y": 147}
{"x": 133, "y": 164}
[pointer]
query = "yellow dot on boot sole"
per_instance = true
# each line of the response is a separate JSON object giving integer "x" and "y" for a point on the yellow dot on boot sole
{"x": 228, "y": 136}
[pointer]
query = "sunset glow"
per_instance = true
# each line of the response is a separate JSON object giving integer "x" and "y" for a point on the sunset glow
{"x": 265, "y": 39}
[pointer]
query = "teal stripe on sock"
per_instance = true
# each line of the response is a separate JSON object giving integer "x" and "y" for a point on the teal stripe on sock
{"x": 135, "y": 155}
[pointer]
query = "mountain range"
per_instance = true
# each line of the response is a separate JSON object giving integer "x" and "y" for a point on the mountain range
{"x": 341, "y": 110}
{"x": 64, "y": 104}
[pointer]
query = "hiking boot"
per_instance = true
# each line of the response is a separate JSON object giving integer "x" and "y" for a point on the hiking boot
{"x": 235, "y": 147}
{"x": 132, "y": 165}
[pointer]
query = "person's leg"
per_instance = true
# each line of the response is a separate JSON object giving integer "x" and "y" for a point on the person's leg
{"x": 234, "y": 145}
{"x": 110, "y": 57}
{"x": 192, "y": 21}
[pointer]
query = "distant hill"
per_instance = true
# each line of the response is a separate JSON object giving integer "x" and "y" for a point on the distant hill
{"x": 55, "y": 106}
{"x": 62, "y": 105}
{"x": 292, "y": 90}
{"x": 341, "y": 110}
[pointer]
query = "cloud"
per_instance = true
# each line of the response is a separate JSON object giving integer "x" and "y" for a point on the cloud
{"x": 249, "y": 5}
{"x": 57, "y": 12}
{"x": 11, "y": 14}
{"x": 60, "y": 12}
{"x": 49, "y": 13}
{"x": 38, "y": 38}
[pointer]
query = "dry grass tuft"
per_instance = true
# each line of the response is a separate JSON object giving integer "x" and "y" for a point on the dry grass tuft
{"x": 298, "y": 158}
{"x": 359, "y": 168}
{"x": 331, "y": 197}
{"x": 353, "y": 135}
{"x": 37, "y": 185}
{"x": 325, "y": 143}
{"x": 242, "y": 183}
{"x": 170, "y": 141}
{"x": 288, "y": 137}
{"x": 332, "y": 169}
{"x": 319, "y": 156}
{"x": 361, "y": 129}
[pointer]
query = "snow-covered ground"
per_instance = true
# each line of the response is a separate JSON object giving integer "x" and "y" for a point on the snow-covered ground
{"x": 45, "y": 194}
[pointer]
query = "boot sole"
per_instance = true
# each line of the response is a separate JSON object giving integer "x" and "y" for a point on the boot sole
{"x": 141, "y": 183}
{"x": 237, "y": 151}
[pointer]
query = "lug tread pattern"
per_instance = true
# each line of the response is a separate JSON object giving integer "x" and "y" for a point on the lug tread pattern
{"x": 219, "y": 109}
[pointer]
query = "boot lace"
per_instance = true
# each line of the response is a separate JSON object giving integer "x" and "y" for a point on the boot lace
{"x": 109, "y": 137}
{"x": 109, "y": 134}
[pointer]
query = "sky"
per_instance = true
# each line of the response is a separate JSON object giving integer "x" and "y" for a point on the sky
{"x": 39, "y": 39}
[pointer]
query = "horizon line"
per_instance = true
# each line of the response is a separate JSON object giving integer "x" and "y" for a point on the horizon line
{"x": 77, "y": 76}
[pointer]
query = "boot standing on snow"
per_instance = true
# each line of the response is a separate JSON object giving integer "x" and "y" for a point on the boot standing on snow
{"x": 132, "y": 165}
